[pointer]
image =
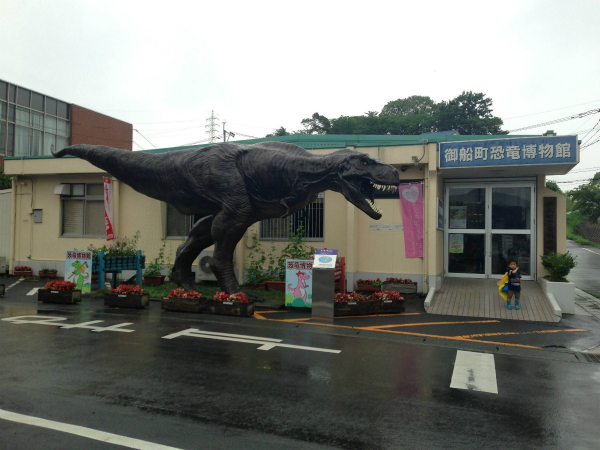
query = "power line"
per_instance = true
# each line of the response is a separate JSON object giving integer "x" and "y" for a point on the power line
{"x": 211, "y": 128}
{"x": 564, "y": 119}
{"x": 138, "y": 145}
{"x": 551, "y": 110}
{"x": 144, "y": 137}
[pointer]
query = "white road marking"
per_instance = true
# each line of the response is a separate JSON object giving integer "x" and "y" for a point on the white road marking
{"x": 474, "y": 372}
{"x": 56, "y": 321}
{"x": 83, "y": 432}
{"x": 591, "y": 251}
{"x": 33, "y": 291}
{"x": 265, "y": 343}
{"x": 14, "y": 284}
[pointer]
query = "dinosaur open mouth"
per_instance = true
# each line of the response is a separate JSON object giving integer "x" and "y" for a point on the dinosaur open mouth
{"x": 368, "y": 193}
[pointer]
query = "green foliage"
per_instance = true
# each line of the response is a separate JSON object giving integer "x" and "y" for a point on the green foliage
{"x": 120, "y": 247}
{"x": 154, "y": 269}
{"x": 586, "y": 199}
{"x": 281, "y": 131}
{"x": 554, "y": 187}
{"x": 559, "y": 265}
{"x": 317, "y": 124}
{"x": 5, "y": 182}
{"x": 469, "y": 113}
{"x": 415, "y": 104}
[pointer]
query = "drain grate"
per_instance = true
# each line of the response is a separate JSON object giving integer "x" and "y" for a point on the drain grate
{"x": 592, "y": 358}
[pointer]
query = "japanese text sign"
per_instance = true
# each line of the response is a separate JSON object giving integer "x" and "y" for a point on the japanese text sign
{"x": 78, "y": 269}
{"x": 509, "y": 152}
{"x": 325, "y": 258}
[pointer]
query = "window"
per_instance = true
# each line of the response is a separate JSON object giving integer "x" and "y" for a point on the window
{"x": 179, "y": 225}
{"x": 83, "y": 211}
{"x": 311, "y": 217}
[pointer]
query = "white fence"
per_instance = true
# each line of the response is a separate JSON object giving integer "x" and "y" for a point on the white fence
{"x": 5, "y": 215}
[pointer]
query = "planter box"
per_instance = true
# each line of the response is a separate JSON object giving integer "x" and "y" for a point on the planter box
{"x": 132, "y": 301}
{"x": 2, "y": 289}
{"x": 47, "y": 274}
{"x": 564, "y": 293}
{"x": 230, "y": 308}
{"x": 180, "y": 304}
{"x": 367, "y": 288}
{"x": 60, "y": 297}
{"x": 366, "y": 308}
{"x": 403, "y": 288}
{"x": 19, "y": 273}
{"x": 154, "y": 281}
{"x": 275, "y": 285}
{"x": 255, "y": 287}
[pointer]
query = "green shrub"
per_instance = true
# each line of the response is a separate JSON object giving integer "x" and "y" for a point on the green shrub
{"x": 559, "y": 265}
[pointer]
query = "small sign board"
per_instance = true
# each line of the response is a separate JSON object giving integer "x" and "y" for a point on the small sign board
{"x": 325, "y": 258}
{"x": 457, "y": 243}
{"x": 374, "y": 226}
{"x": 386, "y": 227}
{"x": 298, "y": 282}
{"x": 78, "y": 269}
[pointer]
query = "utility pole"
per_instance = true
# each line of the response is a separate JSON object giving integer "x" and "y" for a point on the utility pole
{"x": 211, "y": 128}
{"x": 224, "y": 133}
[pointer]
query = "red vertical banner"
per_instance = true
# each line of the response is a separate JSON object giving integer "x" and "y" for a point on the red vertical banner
{"x": 411, "y": 206}
{"x": 108, "y": 209}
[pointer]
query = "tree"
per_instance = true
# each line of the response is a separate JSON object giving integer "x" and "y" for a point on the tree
{"x": 469, "y": 113}
{"x": 415, "y": 104}
{"x": 554, "y": 187}
{"x": 586, "y": 199}
{"x": 5, "y": 182}
{"x": 281, "y": 131}
{"x": 317, "y": 124}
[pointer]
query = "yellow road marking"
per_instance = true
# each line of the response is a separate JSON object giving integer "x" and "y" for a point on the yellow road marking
{"x": 378, "y": 327}
{"x": 469, "y": 336}
{"x": 379, "y": 315}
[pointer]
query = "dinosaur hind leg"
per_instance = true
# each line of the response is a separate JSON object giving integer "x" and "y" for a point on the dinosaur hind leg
{"x": 200, "y": 237}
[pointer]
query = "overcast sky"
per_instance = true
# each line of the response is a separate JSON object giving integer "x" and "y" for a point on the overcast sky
{"x": 260, "y": 65}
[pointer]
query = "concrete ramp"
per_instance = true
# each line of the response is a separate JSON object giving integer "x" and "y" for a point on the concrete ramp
{"x": 474, "y": 297}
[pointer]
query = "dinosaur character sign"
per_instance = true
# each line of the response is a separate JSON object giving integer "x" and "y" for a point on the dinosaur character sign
{"x": 78, "y": 269}
{"x": 298, "y": 275}
{"x": 233, "y": 186}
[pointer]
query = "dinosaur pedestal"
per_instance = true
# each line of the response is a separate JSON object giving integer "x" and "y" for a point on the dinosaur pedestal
{"x": 323, "y": 294}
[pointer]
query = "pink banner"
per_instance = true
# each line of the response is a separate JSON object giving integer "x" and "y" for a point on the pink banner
{"x": 411, "y": 205}
{"x": 108, "y": 209}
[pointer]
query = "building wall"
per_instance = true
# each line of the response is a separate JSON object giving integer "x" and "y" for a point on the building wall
{"x": 90, "y": 127}
{"x": 561, "y": 223}
{"x": 5, "y": 202}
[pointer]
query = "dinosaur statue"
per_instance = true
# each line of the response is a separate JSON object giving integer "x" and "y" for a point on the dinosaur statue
{"x": 235, "y": 185}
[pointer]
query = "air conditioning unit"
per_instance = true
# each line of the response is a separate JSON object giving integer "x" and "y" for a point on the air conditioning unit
{"x": 204, "y": 270}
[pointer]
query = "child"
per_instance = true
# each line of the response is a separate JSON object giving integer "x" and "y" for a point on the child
{"x": 514, "y": 284}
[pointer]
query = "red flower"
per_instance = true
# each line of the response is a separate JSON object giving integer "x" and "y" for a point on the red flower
{"x": 182, "y": 293}
{"x": 225, "y": 297}
{"x": 22, "y": 269}
{"x": 60, "y": 285}
{"x": 128, "y": 289}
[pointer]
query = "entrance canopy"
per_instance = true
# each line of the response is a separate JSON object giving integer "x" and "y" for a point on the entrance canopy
{"x": 547, "y": 155}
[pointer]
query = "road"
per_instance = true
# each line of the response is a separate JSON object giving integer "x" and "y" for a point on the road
{"x": 375, "y": 390}
{"x": 586, "y": 274}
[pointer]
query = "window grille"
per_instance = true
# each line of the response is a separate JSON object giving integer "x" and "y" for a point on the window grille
{"x": 179, "y": 225}
{"x": 83, "y": 211}
{"x": 311, "y": 217}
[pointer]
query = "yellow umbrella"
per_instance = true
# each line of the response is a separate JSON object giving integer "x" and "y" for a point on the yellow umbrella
{"x": 503, "y": 281}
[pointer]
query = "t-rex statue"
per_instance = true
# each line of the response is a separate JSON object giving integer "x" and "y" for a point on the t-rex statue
{"x": 233, "y": 186}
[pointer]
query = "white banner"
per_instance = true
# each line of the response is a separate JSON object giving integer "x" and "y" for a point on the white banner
{"x": 108, "y": 209}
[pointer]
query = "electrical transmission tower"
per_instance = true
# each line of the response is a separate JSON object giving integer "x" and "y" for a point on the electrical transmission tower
{"x": 211, "y": 128}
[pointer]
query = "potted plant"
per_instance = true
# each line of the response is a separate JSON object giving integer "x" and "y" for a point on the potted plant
{"x": 356, "y": 304}
{"x": 127, "y": 296}
{"x": 59, "y": 291}
{"x": 47, "y": 273}
{"x": 181, "y": 300}
{"x": 22, "y": 271}
{"x": 230, "y": 304}
{"x": 369, "y": 285}
{"x": 402, "y": 285}
{"x": 153, "y": 273}
{"x": 559, "y": 265}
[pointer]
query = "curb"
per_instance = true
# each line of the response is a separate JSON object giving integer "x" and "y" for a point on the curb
{"x": 554, "y": 304}
{"x": 429, "y": 299}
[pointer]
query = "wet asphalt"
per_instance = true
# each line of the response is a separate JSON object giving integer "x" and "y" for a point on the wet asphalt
{"x": 586, "y": 274}
{"x": 382, "y": 391}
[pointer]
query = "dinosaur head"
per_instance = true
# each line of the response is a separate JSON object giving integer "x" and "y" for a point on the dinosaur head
{"x": 359, "y": 176}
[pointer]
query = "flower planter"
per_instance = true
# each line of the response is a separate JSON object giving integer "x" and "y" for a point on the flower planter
{"x": 564, "y": 293}
{"x": 180, "y": 304}
{"x": 2, "y": 289}
{"x": 367, "y": 288}
{"x": 60, "y": 297}
{"x": 275, "y": 285}
{"x": 23, "y": 273}
{"x": 255, "y": 287}
{"x": 132, "y": 301}
{"x": 368, "y": 307}
{"x": 47, "y": 274}
{"x": 154, "y": 281}
{"x": 226, "y": 308}
{"x": 403, "y": 288}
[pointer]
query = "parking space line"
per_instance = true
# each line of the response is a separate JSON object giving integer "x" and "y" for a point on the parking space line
{"x": 469, "y": 336}
{"x": 377, "y": 327}
{"x": 33, "y": 291}
{"x": 474, "y": 372}
{"x": 89, "y": 433}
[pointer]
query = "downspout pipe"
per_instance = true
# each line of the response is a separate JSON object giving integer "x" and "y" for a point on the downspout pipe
{"x": 13, "y": 222}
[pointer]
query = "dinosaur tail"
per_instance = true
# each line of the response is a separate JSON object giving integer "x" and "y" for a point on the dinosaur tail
{"x": 142, "y": 171}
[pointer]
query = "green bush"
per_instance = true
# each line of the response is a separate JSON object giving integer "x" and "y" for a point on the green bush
{"x": 559, "y": 265}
